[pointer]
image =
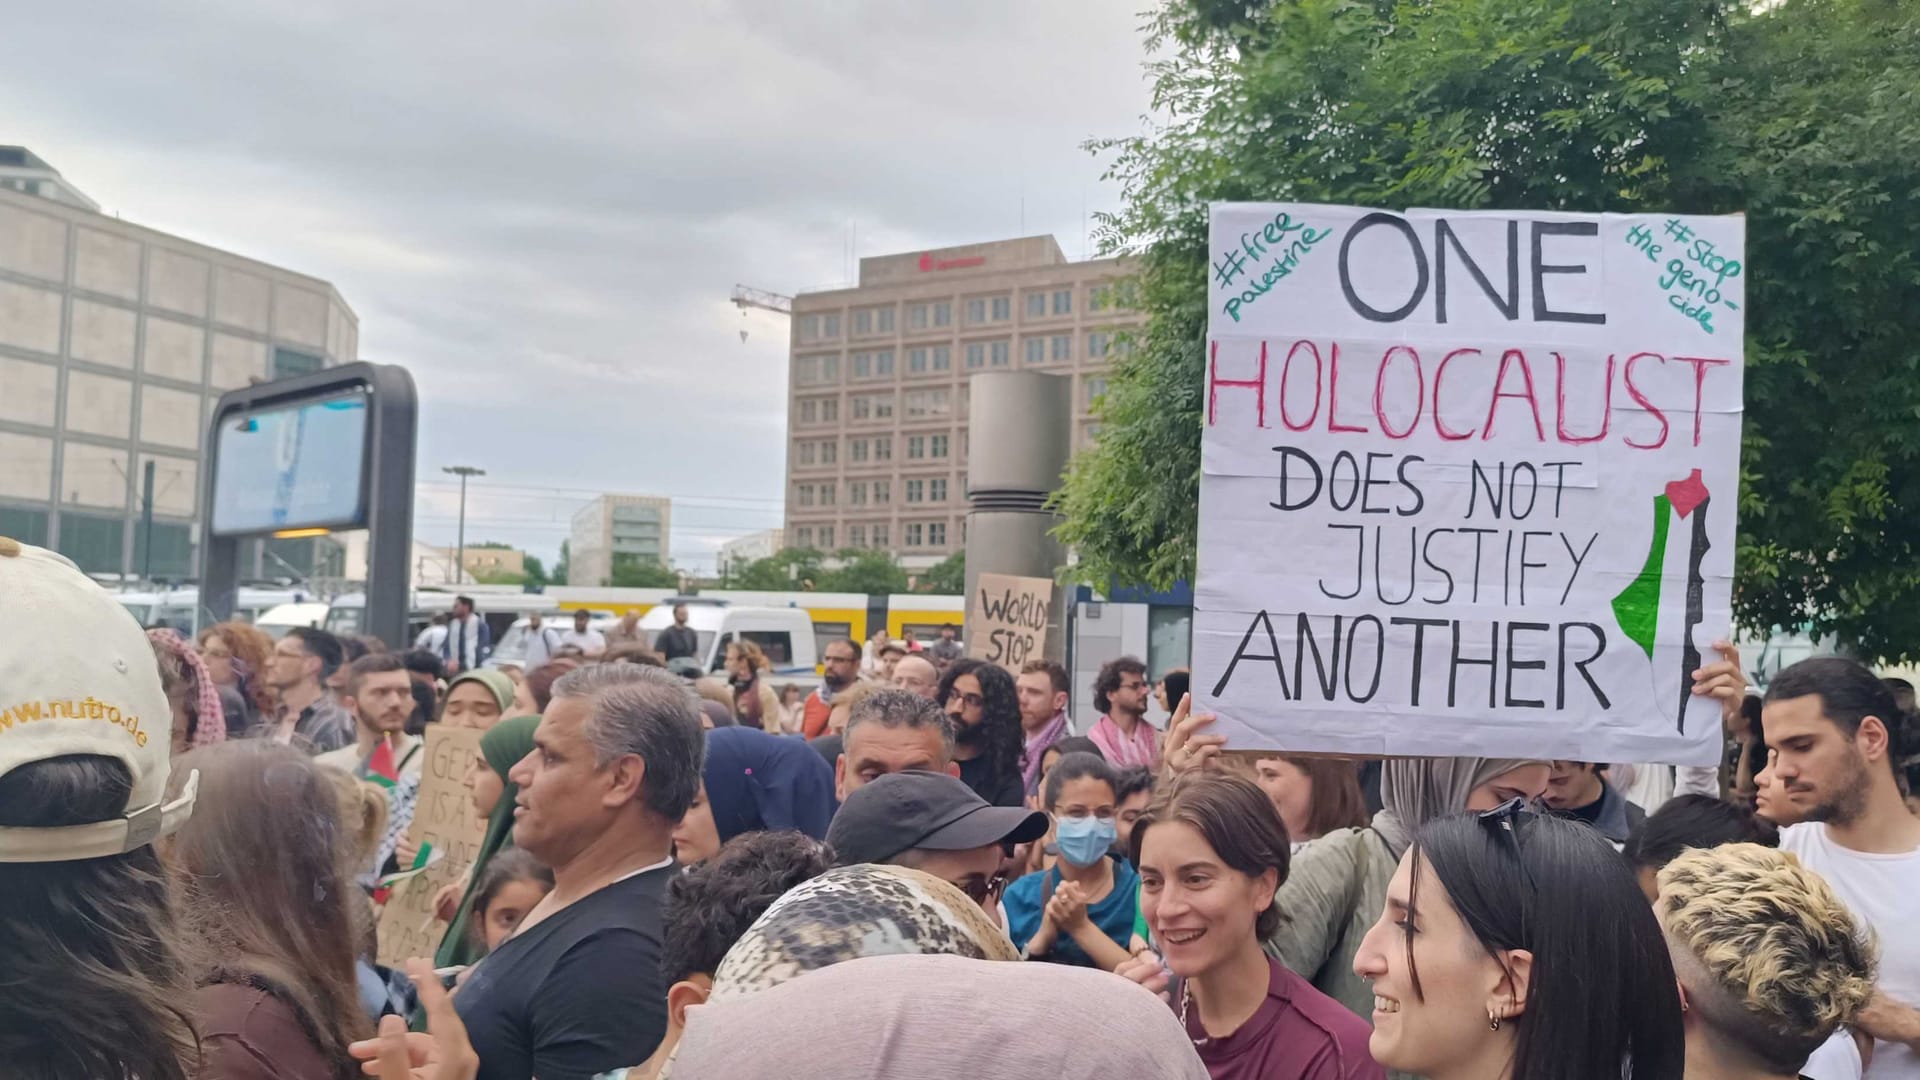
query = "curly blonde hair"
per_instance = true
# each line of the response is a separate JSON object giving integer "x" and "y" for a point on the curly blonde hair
{"x": 1770, "y": 958}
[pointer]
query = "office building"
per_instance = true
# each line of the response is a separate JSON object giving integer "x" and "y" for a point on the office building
{"x": 115, "y": 343}
{"x": 737, "y": 554}
{"x": 612, "y": 526}
{"x": 877, "y": 438}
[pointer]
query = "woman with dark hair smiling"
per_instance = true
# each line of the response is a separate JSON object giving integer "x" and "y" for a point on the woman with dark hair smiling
{"x": 1212, "y": 851}
{"x": 1517, "y": 946}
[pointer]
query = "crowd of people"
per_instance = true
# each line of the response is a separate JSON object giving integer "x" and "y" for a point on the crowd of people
{"x": 924, "y": 866}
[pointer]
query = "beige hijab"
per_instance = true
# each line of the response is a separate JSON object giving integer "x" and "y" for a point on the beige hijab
{"x": 886, "y": 1017}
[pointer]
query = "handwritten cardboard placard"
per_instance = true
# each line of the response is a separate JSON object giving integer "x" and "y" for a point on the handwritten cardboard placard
{"x": 1469, "y": 480}
{"x": 444, "y": 817}
{"x": 1007, "y": 619}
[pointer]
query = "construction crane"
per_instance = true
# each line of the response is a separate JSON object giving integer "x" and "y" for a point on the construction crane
{"x": 744, "y": 298}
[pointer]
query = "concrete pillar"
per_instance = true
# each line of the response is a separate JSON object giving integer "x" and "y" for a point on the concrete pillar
{"x": 1020, "y": 433}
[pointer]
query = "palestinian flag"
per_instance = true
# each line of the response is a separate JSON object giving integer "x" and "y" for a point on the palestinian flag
{"x": 381, "y": 768}
{"x": 422, "y": 862}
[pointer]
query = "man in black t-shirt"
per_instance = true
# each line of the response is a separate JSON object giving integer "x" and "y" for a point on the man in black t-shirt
{"x": 577, "y": 990}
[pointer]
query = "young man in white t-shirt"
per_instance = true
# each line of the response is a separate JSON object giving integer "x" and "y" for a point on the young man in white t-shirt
{"x": 1833, "y": 733}
{"x": 589, "y": 641}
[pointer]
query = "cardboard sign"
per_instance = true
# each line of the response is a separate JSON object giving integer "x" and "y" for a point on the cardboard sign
{"x": 1007, "y": 619}
{"x": 1469, "y": 480}
{"x": 443, "y": 817}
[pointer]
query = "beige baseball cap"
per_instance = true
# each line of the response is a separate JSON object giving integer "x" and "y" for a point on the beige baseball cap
{"x": 78, "y": 676}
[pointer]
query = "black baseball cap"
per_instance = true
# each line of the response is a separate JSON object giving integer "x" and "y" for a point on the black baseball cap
{"x": 914, "y": 809}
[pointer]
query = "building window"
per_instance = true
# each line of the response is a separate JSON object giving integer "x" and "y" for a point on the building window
{"x": 879, "y": 535}
{"x": 1063, "y": 302}
{"x": 826, "y": 536}
{"x": 805, "y": 450}
{"x": 803, "y": 536}
{"x": 976, "y": 354}
{"x": 288, "y": 362}
{"x": 1001, "y": 309}
{"x": 862, "y": 322}
{"x": 882, "y": 492}
{"x": 883, "y": 320}
{"x": 997, "y": 352}
{"x": 916, "y": 491}
{"x": 862, "y": 365}
{"x": 1036, "y": 350}
{"x": 809, "y": 410}
{"x": 976, "y": 311}
{"x": 913, "y": 531}
{"x": 917, "y": 316}
{"x": 856, "y": 536}
{"x": 882, "y": 406}
{"x": 856, "y": 494}
{"x": 937, "y": 489}
{"x": 883, "y": 362}
{"x": 860, "y": 409}
{"x": 942, "y": 358}
{"x": 916, "y": 447}
{"x": 830, "y": 326}
{"x": 809, "y": 328}
{"x": 1099, "y": 298}
{"x": 924, "y": 403}
{"x": 936, "y": 534}
{"x": 1095, "y": 387}
{"x": 803, "y": 494}
{"x": 826, "y": 494}
{"x": 816, "y": 370}
{"x": 937, "y": 447}
{"x": 883, "y": 448}
{"x": 1036, "y": 305}
{"x": 1062, "y": 347}
{"x": 857, "y": 450}
{"x": 1097, "y": 344}
{"x": 830, "y": 411}
{"x": 829, "y": 452}
{"x": 943, "y": 313}
{"x": 917, "y": 360}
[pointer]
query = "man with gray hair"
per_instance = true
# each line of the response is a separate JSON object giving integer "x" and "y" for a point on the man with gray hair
{"x": 893, "y": 731}
{"x": 576, "y": 990}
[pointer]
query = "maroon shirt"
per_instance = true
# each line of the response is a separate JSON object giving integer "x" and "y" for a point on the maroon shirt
{"x": 1298, "y": 1033}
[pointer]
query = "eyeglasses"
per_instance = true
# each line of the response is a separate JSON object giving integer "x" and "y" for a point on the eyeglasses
{"x": 971, "y": 701}
{"x": 983, "y": 891}
{"x": 1504, "y": 820}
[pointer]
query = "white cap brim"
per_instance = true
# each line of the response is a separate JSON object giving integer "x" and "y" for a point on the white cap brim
{"x": 101, "y": 839}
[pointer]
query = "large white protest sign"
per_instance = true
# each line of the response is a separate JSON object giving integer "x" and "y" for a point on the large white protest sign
{"x": 1469, "y": 480}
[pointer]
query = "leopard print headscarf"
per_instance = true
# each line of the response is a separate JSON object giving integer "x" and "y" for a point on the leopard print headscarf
{"x": 857, "y": 911}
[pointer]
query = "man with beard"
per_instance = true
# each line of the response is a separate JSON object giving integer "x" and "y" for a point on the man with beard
{"x": 1834, "y": 732}
{"x": 981, "y": 702}
{"x": 379, "y": 694}
{"x": 839, "y": 668}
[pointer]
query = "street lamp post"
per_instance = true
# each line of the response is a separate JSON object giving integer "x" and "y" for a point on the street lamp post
{"x": 463, "y": 472}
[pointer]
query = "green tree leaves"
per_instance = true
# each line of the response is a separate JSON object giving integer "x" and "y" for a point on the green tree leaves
{"x": 1805, "y": 115}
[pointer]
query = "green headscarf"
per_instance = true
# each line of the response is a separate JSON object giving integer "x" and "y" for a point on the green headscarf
{"x": 506, "y": 743}
{"x": 493, "y": 679}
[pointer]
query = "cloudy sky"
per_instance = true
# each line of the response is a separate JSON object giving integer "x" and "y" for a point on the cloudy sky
{"x": 541, "y": 208}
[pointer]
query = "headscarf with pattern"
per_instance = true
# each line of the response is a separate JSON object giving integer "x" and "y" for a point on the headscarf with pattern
{"x": 856, "y": 911}
{"x": 209, "y": 719}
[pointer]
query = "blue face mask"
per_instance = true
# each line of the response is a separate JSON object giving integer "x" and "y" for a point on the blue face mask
{"x": 1084, "y": 841}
